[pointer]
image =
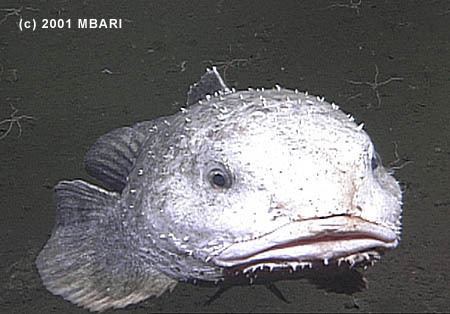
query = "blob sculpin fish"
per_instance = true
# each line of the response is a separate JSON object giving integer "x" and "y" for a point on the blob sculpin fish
{"x": 236, "y": 180}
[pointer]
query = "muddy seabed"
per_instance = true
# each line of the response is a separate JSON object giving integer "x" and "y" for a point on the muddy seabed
{"x": 78, "y": 84}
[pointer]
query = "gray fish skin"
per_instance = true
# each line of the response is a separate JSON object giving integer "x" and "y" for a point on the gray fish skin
{"x": 259, "y": 178}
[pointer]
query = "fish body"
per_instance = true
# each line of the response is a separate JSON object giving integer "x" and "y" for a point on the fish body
{"x": 237, "y": 179}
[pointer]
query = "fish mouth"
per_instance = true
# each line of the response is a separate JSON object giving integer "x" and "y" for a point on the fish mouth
{"x": 307, "y": 241}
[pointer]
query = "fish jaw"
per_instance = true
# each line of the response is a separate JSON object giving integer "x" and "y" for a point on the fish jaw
{"x": 307, "y": 241}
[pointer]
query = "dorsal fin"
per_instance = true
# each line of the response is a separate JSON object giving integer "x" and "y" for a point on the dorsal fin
{"x": 113, "y": 155}
{"x": 209, "y": 83}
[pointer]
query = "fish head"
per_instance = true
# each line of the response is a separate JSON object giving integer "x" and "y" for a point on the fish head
{"x": 277, "y": 178}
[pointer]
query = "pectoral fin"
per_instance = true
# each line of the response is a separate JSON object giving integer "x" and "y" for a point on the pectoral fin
{"x": 113, "y": 155}
{"x": 87, "y": 261}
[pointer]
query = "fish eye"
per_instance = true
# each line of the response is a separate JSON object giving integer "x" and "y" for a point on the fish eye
{"x": 219, "y": 178}
{"x": 375, "y": 161}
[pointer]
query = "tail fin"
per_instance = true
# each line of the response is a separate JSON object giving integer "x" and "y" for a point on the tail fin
{"x": 87, "y": 261}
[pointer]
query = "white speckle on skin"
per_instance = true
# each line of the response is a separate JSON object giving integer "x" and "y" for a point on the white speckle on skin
{"x": 221, "y": 117}
{"x": 223, "y": 110}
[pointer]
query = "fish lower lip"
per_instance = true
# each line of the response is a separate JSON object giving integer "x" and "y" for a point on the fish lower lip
{"x": 310, "y": 240}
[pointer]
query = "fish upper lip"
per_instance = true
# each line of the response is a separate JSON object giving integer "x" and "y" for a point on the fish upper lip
{"x": 311, "y": 239}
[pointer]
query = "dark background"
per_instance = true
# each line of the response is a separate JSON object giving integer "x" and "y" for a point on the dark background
{"x": 79, "y": 84}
